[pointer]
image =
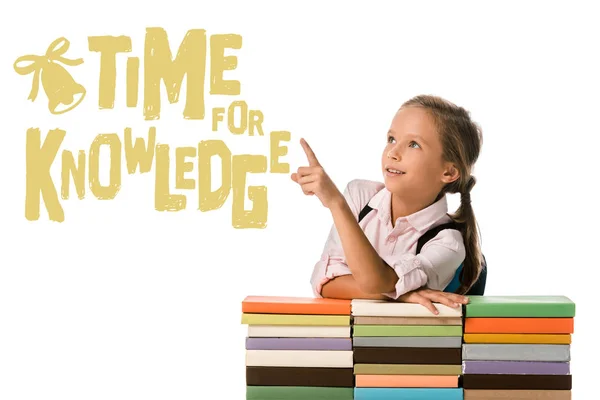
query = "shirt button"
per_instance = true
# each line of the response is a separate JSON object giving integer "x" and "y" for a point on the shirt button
{"x": 391, "y": 239}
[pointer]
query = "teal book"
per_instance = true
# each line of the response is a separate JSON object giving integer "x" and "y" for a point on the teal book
{"x": 520, "y": 306}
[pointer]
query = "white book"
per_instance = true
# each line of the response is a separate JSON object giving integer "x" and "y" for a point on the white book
{"x": 298, "y": 331}
{"x": 388, "y": 308}
{"x": 300, "y": 358}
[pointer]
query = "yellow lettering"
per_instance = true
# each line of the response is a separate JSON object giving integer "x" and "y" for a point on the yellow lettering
{"x": 110, "y": 191}
{"x": 108, "y": 46}
{"x": 257, "y": 217}
{"x": 133, "y": 72}
{"x": 256, "y": 120}
{"x": 158, "y": 64}
{"x": 221, "y": 63}
{"x": 237, "y": 130}
{"x": 39, "y": 160}
{"x": 163, "y": 199}
{"x": 181, "y": 167}
{"x": 217, "y": 116}
{"x": 138, "y": 154}
{"x": 278, "y": 151}
{"x": 78, "y": 172}
{"x": 209, "y": 200}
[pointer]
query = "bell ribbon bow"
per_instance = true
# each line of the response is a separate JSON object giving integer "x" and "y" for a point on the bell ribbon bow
{"x": 37, "y": 63}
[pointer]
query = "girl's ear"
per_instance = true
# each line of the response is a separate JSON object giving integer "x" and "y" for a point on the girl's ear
{"x": 451, "y": 174}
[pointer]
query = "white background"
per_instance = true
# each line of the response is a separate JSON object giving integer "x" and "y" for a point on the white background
{"x": 123, "y": 302}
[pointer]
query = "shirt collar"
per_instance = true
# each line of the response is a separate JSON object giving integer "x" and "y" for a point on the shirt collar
{"x": 420, "y": 220}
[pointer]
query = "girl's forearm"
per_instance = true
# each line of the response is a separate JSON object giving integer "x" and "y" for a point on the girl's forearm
{"x": 371, "y": 273}
{"x": 345, "y": 287}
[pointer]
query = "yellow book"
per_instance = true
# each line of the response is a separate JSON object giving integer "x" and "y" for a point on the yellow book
{"x": 292, "y": 319}
{"x": 526, "y": 338}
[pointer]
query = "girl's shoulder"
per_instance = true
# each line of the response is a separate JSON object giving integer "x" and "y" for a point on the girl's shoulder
{"x": 359, "y": 192}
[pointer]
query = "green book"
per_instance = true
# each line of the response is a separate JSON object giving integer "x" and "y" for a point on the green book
{"x": 520, "y": 306}
{"x": 298, "y": 393}
{"x": 408, "y": 330}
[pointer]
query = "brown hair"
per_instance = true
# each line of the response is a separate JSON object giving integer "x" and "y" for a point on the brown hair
{"x": 461, "y": 142}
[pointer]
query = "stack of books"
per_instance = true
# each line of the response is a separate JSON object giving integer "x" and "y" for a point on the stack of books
{"x": 518, "y": 347}
{"x": 298, "y": 348}
{"x": 405, "y": 351}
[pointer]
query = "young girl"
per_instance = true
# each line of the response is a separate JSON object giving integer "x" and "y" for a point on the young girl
{"x": 431, "y": 148}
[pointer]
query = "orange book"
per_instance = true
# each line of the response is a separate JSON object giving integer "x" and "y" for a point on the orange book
{"x": 519, "y": 325}
{"x": 414, "y": 381}
{"x": 517, "y": 338}
{"x": 295, "y": 305}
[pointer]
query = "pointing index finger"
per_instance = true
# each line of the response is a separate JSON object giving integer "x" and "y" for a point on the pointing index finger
{"x": 312, "y": 159}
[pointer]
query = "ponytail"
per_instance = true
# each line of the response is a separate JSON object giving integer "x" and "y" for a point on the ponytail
{"x": 461, "y": 140}
{"x": 466, "y": 218}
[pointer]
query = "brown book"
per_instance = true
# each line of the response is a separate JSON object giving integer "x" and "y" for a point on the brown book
{"x": 407, "y": 355}
{"x": 299, "y": 376}
{"x": 532, "y": 382}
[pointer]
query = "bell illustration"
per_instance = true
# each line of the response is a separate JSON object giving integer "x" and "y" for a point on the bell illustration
{"x": 62, "y": 91}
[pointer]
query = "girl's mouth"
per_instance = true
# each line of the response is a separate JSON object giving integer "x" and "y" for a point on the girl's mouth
{"x": 394, "y": 172}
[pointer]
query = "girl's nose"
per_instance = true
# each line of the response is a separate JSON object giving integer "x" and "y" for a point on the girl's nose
{"x": 394, "y": 153}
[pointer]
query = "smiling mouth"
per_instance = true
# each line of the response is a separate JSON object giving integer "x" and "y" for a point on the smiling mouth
{"x": 395, "y": 171}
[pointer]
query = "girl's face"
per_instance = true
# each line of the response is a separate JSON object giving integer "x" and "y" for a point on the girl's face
{"x": 412, "y": 160}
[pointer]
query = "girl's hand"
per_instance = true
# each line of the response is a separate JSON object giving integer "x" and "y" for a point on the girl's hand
{"x": 314, "y": 181}
{"x": 427, "y": 297}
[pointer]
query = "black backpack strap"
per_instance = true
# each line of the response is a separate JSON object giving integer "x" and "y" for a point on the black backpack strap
{"x": 430, "y": 234}
{"x": 478, "y": 287}
{"x": 366, "y": 209}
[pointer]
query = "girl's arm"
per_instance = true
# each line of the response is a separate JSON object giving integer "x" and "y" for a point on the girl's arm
{"x": 371, "y": 273}
{"x": 345, "y": 287}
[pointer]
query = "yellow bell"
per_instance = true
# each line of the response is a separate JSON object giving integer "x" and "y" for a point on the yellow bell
{"x": 63, "y": 92}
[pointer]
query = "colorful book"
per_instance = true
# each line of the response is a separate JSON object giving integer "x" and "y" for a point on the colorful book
{"x": 408, "y": 341}
{"x": 299, "y": 358}
{"x": 406, "y": 369}
{"x": 299, "y": 376}
{"x": 298, "y": 393}
{"x": 517, "y": 352}
{"x": 516, "y": 367}
{"x": 301, "y": 343}
{"x": 408, "y": 393}
{"x": 298, "y": 331}
{"x": 407, "y": 330}
{"x": 385, "y": 308}
{"x": 520, "y": 306}
{"x": 358, "y": 320}
{"x": 516, "y": 338}
{"x": 294, "y": 319}
{"x": 519, "y": 325}
{"x": 407, "y": 355}
{"x": 535, "y": 382}
{"x": 407, "y": 381}
{"x": 295, "y": 305}
{"x": 516, "y": 394}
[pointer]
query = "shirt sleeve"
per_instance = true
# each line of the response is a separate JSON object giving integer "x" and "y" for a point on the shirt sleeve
{"x": 433, "y": 267}
{"x": 333, "y": 260}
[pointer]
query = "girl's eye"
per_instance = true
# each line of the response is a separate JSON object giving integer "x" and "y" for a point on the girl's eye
{"x": 390, "y": 139}
{"x": 413, "y": 143}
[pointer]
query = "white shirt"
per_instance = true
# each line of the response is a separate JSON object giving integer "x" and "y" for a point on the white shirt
{"x": 433, "y": 267}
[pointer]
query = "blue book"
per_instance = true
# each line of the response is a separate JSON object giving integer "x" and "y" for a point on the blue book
{"x": 367, "y": 393}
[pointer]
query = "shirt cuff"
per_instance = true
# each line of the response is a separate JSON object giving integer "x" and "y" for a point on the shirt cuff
{"x": 411, "y": 276}
{"x": 327, "y": 269}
